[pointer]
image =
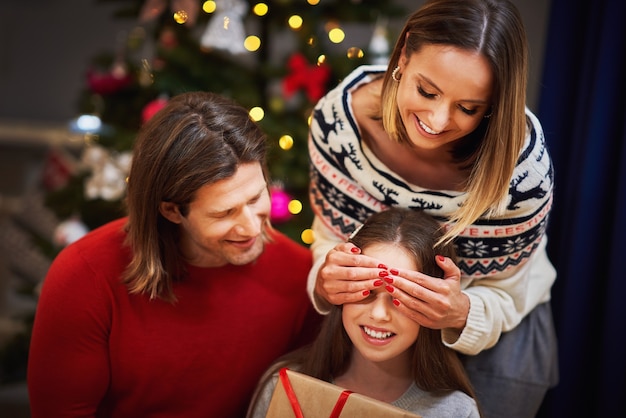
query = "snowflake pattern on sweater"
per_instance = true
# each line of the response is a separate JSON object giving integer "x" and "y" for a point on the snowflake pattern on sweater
{"x": 348, "y": 184}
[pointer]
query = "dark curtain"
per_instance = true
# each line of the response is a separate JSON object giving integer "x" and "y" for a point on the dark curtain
{"x": 583, "y": 112}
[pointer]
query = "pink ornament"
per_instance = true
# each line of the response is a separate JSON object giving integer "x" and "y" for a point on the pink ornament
{"x": 280, "y": 205}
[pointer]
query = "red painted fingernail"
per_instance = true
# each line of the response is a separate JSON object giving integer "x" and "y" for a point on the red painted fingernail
{"x": 389, "y": 280}
{"x": 366, "y": 292}
{"x": 440, "y": 258}
{"x": 382, "y": 266}
{"x": 395, "y": 272}
{"x": 378, "y": 282}
{"x": 383, "y": 273}
{"x": 396, "y": 302}
{"x": 389, "y": 289}
{"x": 354, "y": 250}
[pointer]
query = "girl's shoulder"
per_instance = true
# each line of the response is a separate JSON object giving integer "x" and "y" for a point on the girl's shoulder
{"x": 452, "y": 404}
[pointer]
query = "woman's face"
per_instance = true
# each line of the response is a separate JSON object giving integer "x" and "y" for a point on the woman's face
{"x": 377, "y": 329}
{"x": 443, "y": 95}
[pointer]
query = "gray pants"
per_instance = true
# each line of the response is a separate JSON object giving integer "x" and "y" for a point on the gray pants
{"x": 512, "y": 378}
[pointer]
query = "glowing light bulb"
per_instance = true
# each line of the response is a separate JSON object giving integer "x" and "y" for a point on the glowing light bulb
{"x": 209, "y": 6}
{"x": 307, "y": 236}
{"x": 336, "y": 35}
{"x": 355, "y": 53}
{"x": 257, "y": 113}
{"x": 295, "y": 207}
{"x": 295, "y": 22}
{"x": 252, "y": 43}
{"x": 285, "y": 142}
{"x": 260, "y": 9}
{"x": 181, "y": 17}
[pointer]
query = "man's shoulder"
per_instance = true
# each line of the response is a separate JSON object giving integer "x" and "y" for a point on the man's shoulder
{"x": 282, "y": 242}
{"x": 283, "y": 246}
{"x": 98, "y": 243}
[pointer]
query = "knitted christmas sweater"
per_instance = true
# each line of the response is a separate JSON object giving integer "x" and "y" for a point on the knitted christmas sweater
{"x": 505, "y": 271}
{"x": 98, "y": 351}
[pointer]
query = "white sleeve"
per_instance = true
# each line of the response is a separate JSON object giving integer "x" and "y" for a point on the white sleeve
{"x": 498, "y": 303}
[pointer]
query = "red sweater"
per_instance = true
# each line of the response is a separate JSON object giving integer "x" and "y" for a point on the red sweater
{"x": 98, "y": 351}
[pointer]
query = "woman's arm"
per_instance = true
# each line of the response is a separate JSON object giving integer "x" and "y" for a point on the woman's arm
{"x": 499, "y": 303}
{"x": 496, "y": 304}
{"x": 340, "y": 273}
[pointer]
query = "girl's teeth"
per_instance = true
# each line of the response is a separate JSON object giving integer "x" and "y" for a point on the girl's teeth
{"x": 377, "y": 334}
{"x": 427, "y": 129}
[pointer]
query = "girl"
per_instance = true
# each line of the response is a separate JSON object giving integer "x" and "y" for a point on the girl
{"x": 370, "y": 347}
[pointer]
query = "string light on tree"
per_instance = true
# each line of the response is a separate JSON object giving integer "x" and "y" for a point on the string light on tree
{"x": 260, "y": 9}
{"x": 355, "y": 53}
{"x": 257, "y": 113}
{"x": 295, "y": 206}
{"x": 307, "y": 236}
{"x": 181, "y": 17}
{"x": 252, "y": 43}
{"x": 284, "y": 88}
{"x": 209, "y": 6}
{"x": 295, "y": 22}
{"x": 285, "y": 142}
{"x": 336, "y": 35}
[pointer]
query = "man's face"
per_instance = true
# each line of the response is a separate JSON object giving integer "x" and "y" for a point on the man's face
{"x": 225, "y": 220}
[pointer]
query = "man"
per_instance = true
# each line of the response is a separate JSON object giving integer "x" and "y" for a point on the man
{"x": 176, "y": 310}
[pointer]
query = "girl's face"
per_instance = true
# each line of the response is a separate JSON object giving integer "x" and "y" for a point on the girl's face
{"x": 443, "y": 95}
{"x": 377, "y": 329}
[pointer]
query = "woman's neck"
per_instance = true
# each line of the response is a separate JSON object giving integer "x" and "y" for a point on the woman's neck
{"x": 385, "y": 381}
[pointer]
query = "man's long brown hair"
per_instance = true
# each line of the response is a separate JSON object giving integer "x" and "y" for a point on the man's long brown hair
{"x": 199, "y": 138}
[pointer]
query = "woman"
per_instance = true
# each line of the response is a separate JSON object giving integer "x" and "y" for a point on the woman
{"x": 445, "y": 129}
{"x": 370, "y": 348}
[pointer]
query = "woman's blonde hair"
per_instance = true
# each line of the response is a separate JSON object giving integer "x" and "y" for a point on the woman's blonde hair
{"x": 495, "y": 30}
{"x": 199, "y": 138}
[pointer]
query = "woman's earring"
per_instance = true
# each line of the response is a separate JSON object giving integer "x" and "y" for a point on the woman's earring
{"x": 394, "y": 74}
{"x": 490, "y": 113}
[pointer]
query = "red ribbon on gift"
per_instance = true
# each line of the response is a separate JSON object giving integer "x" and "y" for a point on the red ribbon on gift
{"x": 295, "y": 405}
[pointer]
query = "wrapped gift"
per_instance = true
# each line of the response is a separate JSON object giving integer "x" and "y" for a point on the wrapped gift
{"x": 301, "y": 396}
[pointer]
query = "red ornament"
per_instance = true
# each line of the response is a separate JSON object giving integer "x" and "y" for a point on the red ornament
{"x": 58, "y": 168}
{"x": 152, "y": 108}
{"x": 110, "y": 82}
{"x": 310, "y": 78}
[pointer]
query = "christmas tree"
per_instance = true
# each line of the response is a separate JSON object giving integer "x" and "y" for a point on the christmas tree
{"x": 276, "y": 58}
